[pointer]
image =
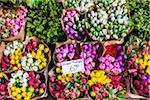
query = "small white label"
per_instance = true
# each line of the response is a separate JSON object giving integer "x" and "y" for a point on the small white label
{"x": 73, "y": 66}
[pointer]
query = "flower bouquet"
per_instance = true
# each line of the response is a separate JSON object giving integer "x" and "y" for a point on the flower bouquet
{"x": 113, "y": 61}
{"x": 26, "y": 85}
{"x": 139, "y": 69}
{"x": 67, "y": 86}
{"x": 96, "y": 24}
{"x": 91, "y": 51}
{"x": 66, "y": 51}
{"x": 102, "y": 86}
{"x": 12, "y": 22}
{"x": 11, "y": 59}
{"x": 73, "y": 24}
{"x": 82, "y": 6}
{"x": 36, "y": 56}
{"x": 3, "y": 86}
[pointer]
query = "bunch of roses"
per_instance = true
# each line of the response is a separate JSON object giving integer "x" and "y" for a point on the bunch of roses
{"x": 90, "y": 54}
{"x": 139, "y": 68}
{"x": 73, "y": 25}
{"x": 69, "y": 86}
{"x": 67, "y": 52}
{"x": 25, "y": 85}
{"x": 113, "y": 60}
{"x": 12, "y": 21}
{"x": 80, "y": 5}
{"x": 12, "y": 56}
{"x": 35, "y": 56}
{"x": 101, "y": 86}
{"x": 3, "y": 86}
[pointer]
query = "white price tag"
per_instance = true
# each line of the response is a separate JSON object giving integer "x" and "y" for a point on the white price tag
{"x": 73, "y": 66}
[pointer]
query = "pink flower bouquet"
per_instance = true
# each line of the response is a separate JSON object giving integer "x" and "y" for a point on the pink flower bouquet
{"x": 12, "y": 21}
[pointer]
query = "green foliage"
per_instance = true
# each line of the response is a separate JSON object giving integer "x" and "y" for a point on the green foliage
{"x": 139, "y": 10}
{"x": 43, "y": 22}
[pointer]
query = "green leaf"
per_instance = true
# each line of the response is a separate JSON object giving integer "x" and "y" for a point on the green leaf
{"x": 113, "y": 91}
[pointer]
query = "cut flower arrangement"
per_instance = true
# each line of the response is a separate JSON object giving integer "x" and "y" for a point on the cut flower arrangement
{"x": 26, "y": 85}
{"x": 36, "y": 56}
{"x": 12, "y": 21}
{"x": 3, "y": 86}
{"x": 113, "y": 61}
{"x": 102, "y": 86}
{"x": 139, "y": 69}
{"x": 67, "y": 86}
{"x": 91, "y": 51}
{"x": 11, "y": 60}
{"x": 73, "y": 25}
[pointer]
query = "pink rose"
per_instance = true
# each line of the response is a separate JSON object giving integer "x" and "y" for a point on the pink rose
{"x": 57, "y": 94}
{"x": 31, "y": 73}
{"x": 31, "y": 83}
{"x": 25, "y": 54}
{"x": 98, "y": 85}
{"x": 95, "y": 89}
{"x": 29, "y": 47}
{"x": 43, "y": 85}
{"x": 102, "y": 66}
{"x": 51, "y": 79}
{"x": 69, "y": 24}
{"x": 2, "y": 87}
{"x": 119, "y": 88}
{"x": 99, "y": 96}
{"x": 83, "y": 80}
{"x": 87, "y": 72}
{"x": 105, "y": 94}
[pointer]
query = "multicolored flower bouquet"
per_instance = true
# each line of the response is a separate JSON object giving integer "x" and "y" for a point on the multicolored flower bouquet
{"x": 67, "y": 86}
{"x": 36, "y": 56}
{"x": 26, "y": 85}
{"x": 102, "y": 86}
{"x": 3, "y": 86}
{"x": 138, "y": 67}
{"x": 12, "y": 21}
{"x": 113, "y": 61}
{"x": 73, "y": 25}
{"x": 11, "y": 60}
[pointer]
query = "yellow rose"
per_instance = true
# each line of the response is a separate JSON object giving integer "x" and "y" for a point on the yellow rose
{"x": 15, "y": 68}
{"x": 149, "y": 56}
{"x": 20, "y": 54}
{"x": 31, "y": 89}
{"x": 16, "y": 57}
{"x": 33, "y": 54}
{"x": 140, "y": 61}
{"x": 67, "y": 79}
{"x": 148, "y": 70}
{"x": 12, "y": 62}
{"x": 64, "y": 75}
{"x": 40, "y": 66}
{"x": 63, "y": 81}
{"x": 24, "y": 94}
{"x": 44, "y": 59}
{"x": 70, "y": 75}
{"x": 41, "y": 46}
{"x": 59, "y": 77}
{"x": 18, "y": 90}
{"x": 92, "y": 74}
{"x": 94, "y": 79}
{"x": 18, "y": 49}
{"x": 39, "y": 52}
{"x": 17, "y": 61}
{"x": 44, "y": 64}
{"x": 90, "y": 82}
{"x": 16, "y": 52}
{"x": 137, "y": 60}
{"x": 37, "y": 56}
{"x": 93, "y": 94}
{"x": 103, "y": 77}
{"x": 107, "y": 80}
{"x": 14, "y": 94}
{"x": 23, "y": 89}
{"x": 58, "y": 70}
{"x": 19, "y": 65}
{"x": 27, "y": 98}
{"x": 41, "y": 90}
{"x": 29, "y": 94}
{"x": 12, "y": 56}
{"x": 99, "y": 80}
{"x": 18, "y": 97}
{"x": 46, "y": 50}
{"x": 13, "y": 88}
{"x": 1, "y": 75}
